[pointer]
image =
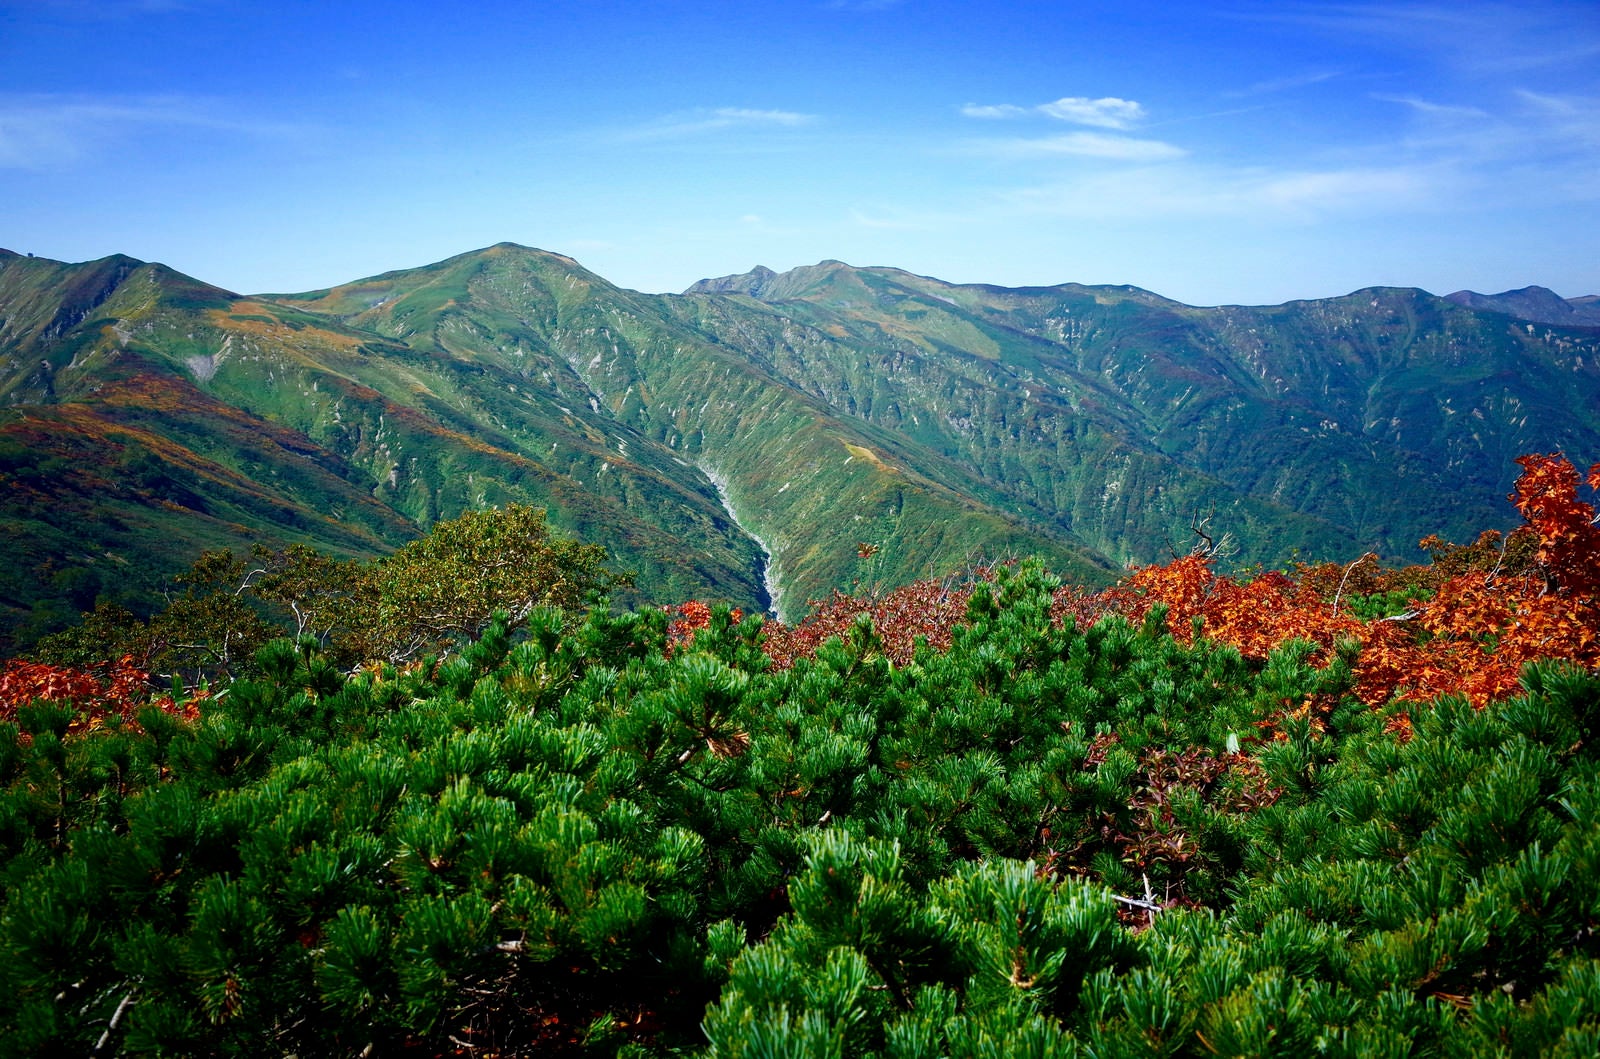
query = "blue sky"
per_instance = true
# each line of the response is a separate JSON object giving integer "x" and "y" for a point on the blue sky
{"x": 1232, "y": 152}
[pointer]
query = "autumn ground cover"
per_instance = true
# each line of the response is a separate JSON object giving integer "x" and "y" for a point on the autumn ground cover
{"x": 1465, "y": 623}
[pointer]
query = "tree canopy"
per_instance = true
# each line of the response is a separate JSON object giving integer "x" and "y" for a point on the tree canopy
{"x": 437, "y": 592}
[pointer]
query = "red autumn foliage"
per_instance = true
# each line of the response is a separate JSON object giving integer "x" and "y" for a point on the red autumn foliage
{"x": 1476, "y": 614}
{"x": 1486, "y": 617}
{"x": 122, "y": 690}
{"x": 686, "y": 619}
{"x": 927, "y": 609}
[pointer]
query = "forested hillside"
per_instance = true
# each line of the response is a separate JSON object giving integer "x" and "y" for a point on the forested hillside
{"x": 1335, "y": 809}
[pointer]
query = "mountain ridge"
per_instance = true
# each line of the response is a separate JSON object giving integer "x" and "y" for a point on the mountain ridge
{"x": 1531, "y": 296}
{"x": 868, "y": 425}
{"x": 1540, "y": 305}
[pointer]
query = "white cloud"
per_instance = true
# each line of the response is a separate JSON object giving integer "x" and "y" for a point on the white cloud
{"x": 994, "y": 110}
{"x": 704, "y": 120}
{"x": 1567, "y": 124}
{"x": 45, "y": 131}
{"x": 1563, "y": 110}
{"x": 1107, "y": 113}
{"x": 1345, "y": 189}
{"x": 1481, "y": 37}
{"x": 1509, "y": 141}
{"x": 1288, "y": 83}
{"x": 745, "y": 116}
{"x": 1430, "y": 109}
{"x": 1081, "y": 145}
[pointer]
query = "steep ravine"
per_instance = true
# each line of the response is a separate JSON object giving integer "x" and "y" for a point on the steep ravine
{"x": 768, "y": 567}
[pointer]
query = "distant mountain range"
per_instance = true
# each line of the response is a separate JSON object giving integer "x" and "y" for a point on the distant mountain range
{"x": 1538, "y": 305}
{"x": 761, "y": 438}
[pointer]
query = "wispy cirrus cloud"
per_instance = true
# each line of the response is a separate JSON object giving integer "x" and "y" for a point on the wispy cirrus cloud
{"x": 1436, "y": 111}
{"x": 1287, "y": 83}
{"x": 1483, "y": 37}
{"x": 703, "y": 121}
{"x": 41, "y": 131}
{"x": 1455, "y": 158}
{"x": 1186, "y": 192}
{"x": 1544, "y": 145}
{"x": 1108, "y": 112}
{"x": 1257, "y": 193}
{"x": 1574, "y": 120}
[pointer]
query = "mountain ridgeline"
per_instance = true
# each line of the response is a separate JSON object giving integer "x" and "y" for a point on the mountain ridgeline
{"x": 761, "y": 438}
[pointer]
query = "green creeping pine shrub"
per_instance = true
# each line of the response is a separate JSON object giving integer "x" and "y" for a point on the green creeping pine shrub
{"x": 568, "y": 840}
{"x": 992, "y": 956}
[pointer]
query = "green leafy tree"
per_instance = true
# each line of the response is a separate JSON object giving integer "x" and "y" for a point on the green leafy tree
{"x": 210, "y": 627}
{"x": 444, "y": 588}
{"x": 435, "y": 593}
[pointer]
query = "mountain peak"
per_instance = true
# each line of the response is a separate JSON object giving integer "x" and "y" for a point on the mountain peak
{"x": 761, "y": 282}
{"x": 1539, "y": 305}
{"x": 751, "y": 283}
{"x": 503, "y": 248}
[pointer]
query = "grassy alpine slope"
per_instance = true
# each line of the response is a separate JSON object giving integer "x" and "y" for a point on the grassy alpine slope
{"x": 202, "y": 393}
{"x": 761, "y": 439}
{"x": 804, "y": 479}
{"x": 1329, "y": 427}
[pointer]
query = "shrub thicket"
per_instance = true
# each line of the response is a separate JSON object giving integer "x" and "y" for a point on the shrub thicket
{"x": 601, "y": 833}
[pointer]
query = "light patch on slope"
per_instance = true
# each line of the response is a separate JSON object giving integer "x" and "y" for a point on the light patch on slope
{"x": 204, "y": 366}
{"x": 860, "y": 451}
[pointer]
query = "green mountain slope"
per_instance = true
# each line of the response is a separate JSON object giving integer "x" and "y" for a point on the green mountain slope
{"x": 746, "y": 439}
{"x": 807, "y": 482}
{"x": 115, "y": 361}
{"x": 1329, "y": 427}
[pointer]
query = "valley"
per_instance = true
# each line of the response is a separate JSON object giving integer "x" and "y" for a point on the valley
{"x": 761, "y": 438}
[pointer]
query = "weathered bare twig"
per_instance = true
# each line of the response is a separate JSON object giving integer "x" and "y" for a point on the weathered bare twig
{"x": 1347, "y": 572}
{"x": 116, "y": 1017}
{"x": 1149, "y": 903}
